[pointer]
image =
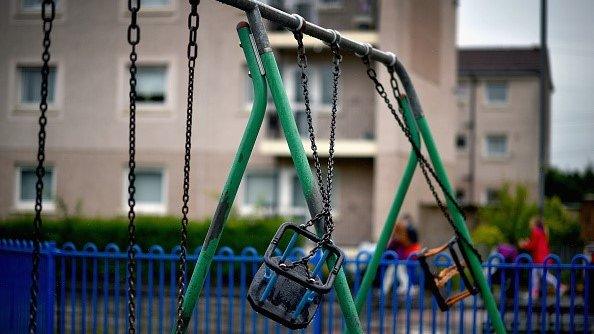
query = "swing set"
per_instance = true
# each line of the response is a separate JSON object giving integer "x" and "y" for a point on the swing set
{"x": 287, "y": 290}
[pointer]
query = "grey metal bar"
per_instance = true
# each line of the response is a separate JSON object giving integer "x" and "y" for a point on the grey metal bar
{"x": 326, "y": 35}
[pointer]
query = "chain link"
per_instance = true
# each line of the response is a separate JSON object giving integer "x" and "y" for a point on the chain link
{"x": 193, "y": 24}
{"x": 48, "y": 13}
{"x": 133, "y": 36}
{"x": 326, "y": 191}
{"x": 426, "y": 168}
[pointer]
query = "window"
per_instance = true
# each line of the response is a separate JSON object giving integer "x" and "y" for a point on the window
{"x": 320, "y": 88}
{"x": 25, "y": 188}
{"x": 297, "y": 200}
{"x": 34, "y": 6}
{"x": 491, "y": 195}
{"x": 331, "y": 2}
{"x": 496, "y": 92}
{"x": 461, "y": 142}
{"x": 496, "y": 145}
{"x": 155, "y": 4}
{"x": 30, "y": 85}
{"x": 150, "y": 191}
{"x": 301, "y": 121}
{"x": 305, "y": 8}
{"x": 151, "y": 88}
{"x": 261, "y": 191}
{"x": 463, "y": 93}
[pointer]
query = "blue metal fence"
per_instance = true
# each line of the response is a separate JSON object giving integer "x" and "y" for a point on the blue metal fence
{"x": 83, "y": 291}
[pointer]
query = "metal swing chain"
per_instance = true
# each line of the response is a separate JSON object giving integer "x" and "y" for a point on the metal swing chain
{"x": 193, "y": 24}
{"x": 133, "y": 39}
{"x": 325, "y": 191}
{"x": 48, "y": 13}
{"x": 426, "y": 168}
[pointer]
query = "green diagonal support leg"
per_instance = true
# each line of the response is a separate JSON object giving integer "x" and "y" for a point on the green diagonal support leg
{"x": 242, "y": 156}
{"x": 474, "y": 262}
{"x": 390, "y": 221}
{"x": 287, "y": 120}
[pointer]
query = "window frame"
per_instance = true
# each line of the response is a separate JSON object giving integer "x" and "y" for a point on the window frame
{"x": 21, "y": 15}
{"x": 337, "y": 4}
{"x": 167, "y": 12}
{"x": 148, "y": 110}
{"x": 16, "y": 107}
{"x": 147, "y": 208}
{"x": 496, "y": 103}
{"x": 29, "y": 206}
{"x": 487, "y": 154}
{"x": 315, "y": 89}
{"x": 251, "y": 209}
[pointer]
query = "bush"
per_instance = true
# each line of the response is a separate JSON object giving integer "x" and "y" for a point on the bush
{"x": 488, "y": 235}
{"x": 164, "y": 231}
{"x": 564, "y": 228}
{"x": 511, "y": 214}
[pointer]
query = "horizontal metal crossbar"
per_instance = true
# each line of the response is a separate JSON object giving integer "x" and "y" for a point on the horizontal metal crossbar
{"x": 293, "y": 22}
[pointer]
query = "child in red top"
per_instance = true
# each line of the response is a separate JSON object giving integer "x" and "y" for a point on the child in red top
{"x": 405, "y": 242}
{"x": 538, "y": 246}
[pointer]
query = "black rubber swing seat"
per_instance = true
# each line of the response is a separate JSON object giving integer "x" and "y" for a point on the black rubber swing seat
{"x": 290, "y": 295}
{"x": 437, "y": 281}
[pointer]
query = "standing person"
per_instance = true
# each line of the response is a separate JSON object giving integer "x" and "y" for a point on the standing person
{"x": 538, "y": 246}
{"x": 405, "y": 242}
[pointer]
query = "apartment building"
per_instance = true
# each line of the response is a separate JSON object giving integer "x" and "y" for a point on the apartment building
{"x": 498, "y": 117}
{"x": 88, "y": 123}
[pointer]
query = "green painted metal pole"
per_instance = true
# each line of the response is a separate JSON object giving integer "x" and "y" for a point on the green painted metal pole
{"x": 287, "y": 120}
{"x": 233, "y": 179}
{"x": 390, "y": 221}
{"x": 474, "y": 262}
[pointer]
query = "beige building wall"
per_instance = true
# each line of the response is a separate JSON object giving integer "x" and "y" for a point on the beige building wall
{"x": 87, "y": 128}
{"x": 422, "y": 34}
{"x": 518, "y": 120}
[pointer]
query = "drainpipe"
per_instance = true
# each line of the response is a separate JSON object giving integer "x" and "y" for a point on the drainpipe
{"x": 472, "y": 141}
{"x": 543, "y": 106}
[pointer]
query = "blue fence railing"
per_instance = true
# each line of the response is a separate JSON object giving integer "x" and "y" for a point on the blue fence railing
{"x": 84, "y": 291}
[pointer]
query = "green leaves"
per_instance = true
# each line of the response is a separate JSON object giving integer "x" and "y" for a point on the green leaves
{"x": 507, "y": 220}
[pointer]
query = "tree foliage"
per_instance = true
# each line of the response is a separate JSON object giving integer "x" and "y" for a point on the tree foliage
{"x": 569, "y": 186}
{"x": 507, "y": 220}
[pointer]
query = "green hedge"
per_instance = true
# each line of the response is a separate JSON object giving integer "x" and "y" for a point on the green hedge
{"x": 164, "y": 231}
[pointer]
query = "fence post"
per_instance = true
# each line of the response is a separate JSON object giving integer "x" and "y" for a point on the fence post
{"x": 47, "y": 287}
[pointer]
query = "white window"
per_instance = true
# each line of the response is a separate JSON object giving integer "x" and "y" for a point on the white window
{"x": 33, "y": 6}
{"x": 26, "y": 181}
{"x": 151, "y": 87}
{"x": 155, "y": 4}
{"x": 278, "y": 192}
{"x": 320, "y": 87}
{"x": 150, "y": 193}
{"x": 496, "y": 92}
{"x": 333, "y": 3}
{"x": 260, "y": 193}
{"x": 496, "y": 145}
{"x": 29, "y": 93}
{"x": 320, "y": 94}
